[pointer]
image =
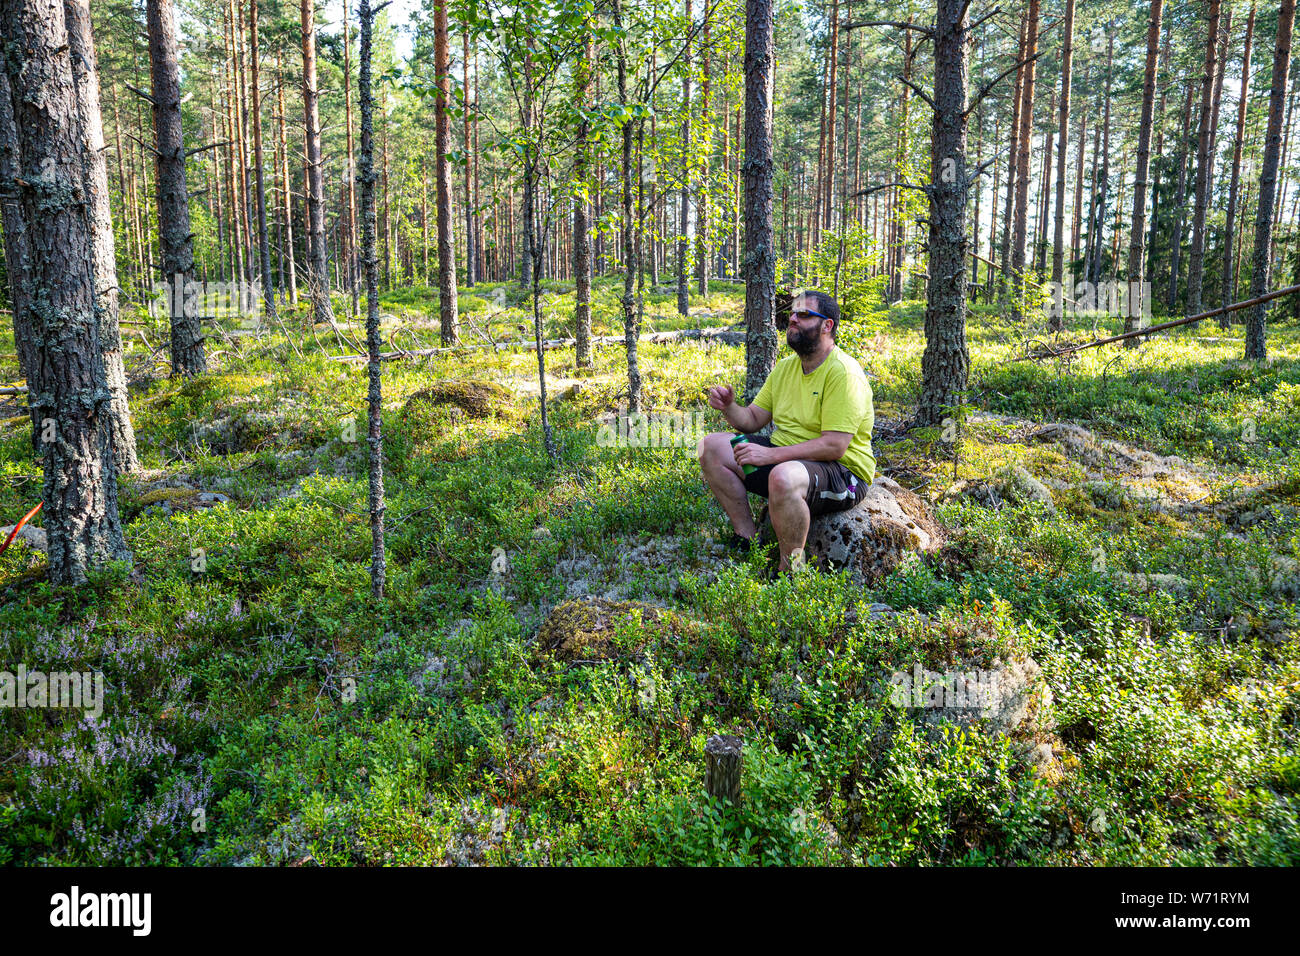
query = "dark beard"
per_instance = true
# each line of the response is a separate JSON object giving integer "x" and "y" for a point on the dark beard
{"x": 804, "y": 345}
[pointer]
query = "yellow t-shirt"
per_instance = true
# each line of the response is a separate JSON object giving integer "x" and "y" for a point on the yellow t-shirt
{"x": 833, "y": 397}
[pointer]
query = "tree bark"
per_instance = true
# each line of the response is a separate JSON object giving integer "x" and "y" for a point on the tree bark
{"x": 702, "y": 262}
{"x": 447, "y": 305}
{"x": 1259, "y": 278}
{"x": 683, "y": 233}
{"x": 374, "y": 343}
{"x": 318, "y": 256}
{"x": 945, "y": 364}
{"x": 18, "y": 258}
{"x": 1138, "y": 235}
{"x": 1026, "y": 142}
{"x": 1180, "y": 199}
{"x": 581, "y": 242}
{"x": 80, "y": 488}
{"x": 85, "y": 72}
{"x": 174, "y": 234}
{"x": 1204, "y": 174}
{"x": 263, "y": 240}
{"x": 1229, "y": 286}
{"x": 760, "y": 261}
{"x": 1062, "y": 134}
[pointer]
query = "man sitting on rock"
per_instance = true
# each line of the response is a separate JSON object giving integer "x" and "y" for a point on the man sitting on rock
{"x": 818, "y": 459}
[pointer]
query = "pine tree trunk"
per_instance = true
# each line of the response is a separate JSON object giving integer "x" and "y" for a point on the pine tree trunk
{"x": 174, "y": 233}
{"x": 1013, "y": 157}
{"x": 447, "y": 305}
{"x": 374, "y": 343}
{"x": 80, "y": 489}
{"x": 945, "y": 364}
{"x": 630, "y": 330}
{"x": 1103, "y": 176}
{"x": 85, "y": 72}
{"x": 760, "y": 260}
{"x": 317, "y": 258}
{"x": 1229, "y": 272}
{"x": 352, "y": 262}
{"x": 702, "y": 262}
{"x": 291, "y": 269}
{"x": 1261, "y": 263}
{"x": 1045, "y": 193}
{"x": 683, "y": 233}
{"x": 1196, "y": 255}
{"x": 1062, "y": 135}
{"x": 263, "y": 239}
{"x": 1025, "y": 145}
{"x": 1137, "y": 237}
{"x": 471, "y": 269}
{"x": 581, "y": 242}
{"x": 17, "y": 258}
{"x": 1180, "y": 199}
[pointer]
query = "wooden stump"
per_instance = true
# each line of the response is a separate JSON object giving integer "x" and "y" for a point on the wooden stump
{"x": 722, "y": 764}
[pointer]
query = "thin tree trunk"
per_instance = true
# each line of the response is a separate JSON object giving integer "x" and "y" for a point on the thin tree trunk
{"x": 1259, "y": 278}
{"x": 1026, "y": 142}
{"x": 1136, "y": 272}
{"x": 1180, "y": 198}
{"x": 374, "y": 343}
{"x": 1204, "y": 174}
{"x": 683, "y": 233}
{"x": 1229, "y": 272}
{"x": 1013, "y": 156}
{"x": 1045, "y": 191}
{"x": 447, "y": 305}
{"x": 174, "y": 233}
{"x": 263, "y": 240}
{"x": 760, "y": 261}
{"x": 581, "y": 243}
{"x": 702, "y": 262}
{"x": 945, "y": 364}
{"x": 292, "y": 267}
{"x": 318, "y": 257}
{"x": 1062, "y": 134}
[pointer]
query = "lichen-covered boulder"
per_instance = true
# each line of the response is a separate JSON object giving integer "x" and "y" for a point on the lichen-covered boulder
{"x": 971, "y": 670}
{"x": 1012, "y": 485}
{"x": 889, "y": 526}
{"x": 1003, "y": 697}
{"x": 587, "y": 629}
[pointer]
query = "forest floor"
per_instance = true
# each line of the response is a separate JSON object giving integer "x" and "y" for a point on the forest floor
{"x": 259, "y": 710}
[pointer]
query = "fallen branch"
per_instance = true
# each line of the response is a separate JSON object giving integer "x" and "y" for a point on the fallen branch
{"x": 1048, "y": 351}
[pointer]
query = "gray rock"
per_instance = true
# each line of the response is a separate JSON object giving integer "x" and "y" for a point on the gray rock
{"x": 1012, "y": 485}
{"x": 34, "y": 538}
{"x": 1005, "y": 698}
{"x": 889, "y": 526}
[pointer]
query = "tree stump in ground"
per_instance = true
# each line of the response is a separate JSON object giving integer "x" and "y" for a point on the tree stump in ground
{"x": 722, "y": 765}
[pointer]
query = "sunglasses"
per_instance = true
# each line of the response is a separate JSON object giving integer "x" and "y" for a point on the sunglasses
{"x": 801, "y": 314}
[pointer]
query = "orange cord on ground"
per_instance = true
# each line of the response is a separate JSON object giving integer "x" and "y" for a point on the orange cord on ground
{"x": 19, "y": 527}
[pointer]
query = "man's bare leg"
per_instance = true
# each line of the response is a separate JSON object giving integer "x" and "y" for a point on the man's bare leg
{"x": 726, "y": 481}
{"x": 787, "y": 487}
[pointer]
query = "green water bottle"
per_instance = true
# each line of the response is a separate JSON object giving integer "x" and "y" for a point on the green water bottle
{"x": 746, "y": 468}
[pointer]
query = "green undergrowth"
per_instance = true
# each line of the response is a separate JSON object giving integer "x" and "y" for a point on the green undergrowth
{"x": 259, "y": 707}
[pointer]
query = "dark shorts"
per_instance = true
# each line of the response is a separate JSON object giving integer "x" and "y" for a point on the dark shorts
{"x": 831, "y": 486}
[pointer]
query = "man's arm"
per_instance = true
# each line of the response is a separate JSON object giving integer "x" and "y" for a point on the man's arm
{"x": 746, "y": 418}
{"x": 829, "y": 446}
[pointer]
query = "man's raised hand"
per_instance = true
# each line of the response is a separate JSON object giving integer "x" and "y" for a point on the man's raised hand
{"x": 721, "y": 397}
